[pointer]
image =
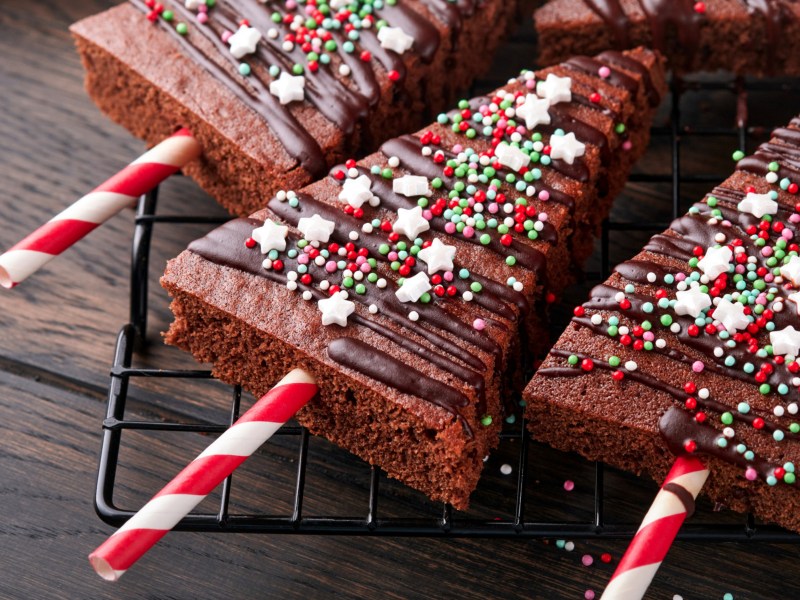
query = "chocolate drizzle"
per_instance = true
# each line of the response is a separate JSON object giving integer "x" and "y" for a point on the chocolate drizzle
{"x": 365, "y": 359}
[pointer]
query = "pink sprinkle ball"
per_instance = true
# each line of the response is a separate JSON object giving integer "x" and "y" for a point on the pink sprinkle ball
{"x": 392, "y": 255}
{"x": 794, "y": 218}
{"x": 291, "y": 4}
{"x": 202, "y": 8}
{"x": 751, "y": 474}
{"x": 458, "y": 148}
{"x": 543, "y": 217}
{"x": 627, "y": 145}
{"x": 589, "y": 594}
{"x": 303, "y": 259}
{"x": 202, "y": 18}
{"x": 649, "y": 336}
{"x": 226, "y": 35}
{"x": 544, "y": 195}
{"x": 569, "y": 485}
{"x": 468, "y": 231}
{"x": 365, "y": 268}
{"x": 448, "y": 276}
{"x": 450, "y": 227}
{"x": 330, "y": 266}
{"x": 479, "y": 324}
{"x": 427, "y": 214}
{"x": 530, "y": 84}
{"x": 698, "y": 366}
{"x": 587, "y": 560}
{"x": 604, "y": 72}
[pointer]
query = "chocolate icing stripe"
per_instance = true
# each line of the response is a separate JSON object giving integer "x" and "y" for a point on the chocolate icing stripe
{"x": 297, "y": 141}
{"x": 224, "y": 246}
{"x": 365, "y": 359}
{"x": 630, "y": 64}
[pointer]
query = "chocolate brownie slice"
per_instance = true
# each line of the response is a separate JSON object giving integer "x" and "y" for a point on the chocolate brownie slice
{"x": 753, "y": 37}
{"x": 693, "y": 346}
{"x": 447, "y": 243}
{"x": 277, "y": 92}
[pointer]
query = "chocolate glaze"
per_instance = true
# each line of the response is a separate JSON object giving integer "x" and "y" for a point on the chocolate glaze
{"x": 225, "y": 246}
{"x": 365, "y": 359}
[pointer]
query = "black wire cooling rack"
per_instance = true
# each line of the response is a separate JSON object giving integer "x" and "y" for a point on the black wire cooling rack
{"x": 675, "y": 135}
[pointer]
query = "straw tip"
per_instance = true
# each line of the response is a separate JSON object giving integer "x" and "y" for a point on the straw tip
{"x": 5, "y": 279}
{"x": 102, "y": 568}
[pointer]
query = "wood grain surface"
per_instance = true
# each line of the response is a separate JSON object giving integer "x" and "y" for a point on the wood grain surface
{"x": 57, "y": 334}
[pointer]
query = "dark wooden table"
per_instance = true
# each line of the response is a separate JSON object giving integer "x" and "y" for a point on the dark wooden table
{"x": 57, "y": 335}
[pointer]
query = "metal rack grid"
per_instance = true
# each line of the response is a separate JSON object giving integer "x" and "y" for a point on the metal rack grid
{"x": 370, "y": 521}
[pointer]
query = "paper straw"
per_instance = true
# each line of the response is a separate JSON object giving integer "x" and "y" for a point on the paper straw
{"x": 131, "y": 541}
{"x": 96, "y": 207}
{"x": 674, "y": 502}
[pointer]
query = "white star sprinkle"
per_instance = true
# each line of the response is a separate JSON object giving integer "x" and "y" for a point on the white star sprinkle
{"x": 692, "y": 302}
{"x": 566, "y": 148}
{"x": 534, "y": 111}
{"x": 785, "y": 341}
{"x": 336, "y": 309}
{"x": 244, "y": 41}
{"x": 438, "y": 256}
{"x": 715, "y": 261}
{"x": 731, "y": 315}
{"x": 394, "y": 38}
{"x": 271, "y": 236}
{"x": 796, "y": 299}
{"x": 288, "y": 88}
{"x": 413, "y": 288}
{"x": 316, "y": 229}
{"x": 758, "y": 205}
{"x": 555, "y": 89}
{"x": 791, "y": 270}
{"x": 410, "y": 222}
{"x": 411, "y": 185}
{"x": 356, "y": 191}
{"x": 511, "y": 157}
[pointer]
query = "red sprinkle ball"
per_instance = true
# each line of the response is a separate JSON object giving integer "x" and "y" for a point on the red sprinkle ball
{"x": 700, "y": 8}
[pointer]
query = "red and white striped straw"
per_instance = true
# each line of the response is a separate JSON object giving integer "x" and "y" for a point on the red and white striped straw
{"x": 652, "y": 541}
{"x": 131, "y": 541}
{"x": 96, "y": 207}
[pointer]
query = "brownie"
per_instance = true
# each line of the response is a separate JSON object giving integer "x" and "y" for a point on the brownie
{"x": 691, "y": 346}
{"x": 752, "y": 37}
{"x": 448, "y": 243}
{"x": 367, "y": 75}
